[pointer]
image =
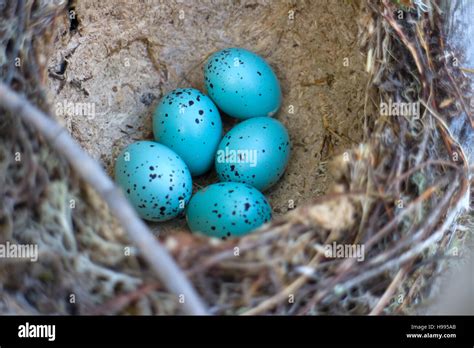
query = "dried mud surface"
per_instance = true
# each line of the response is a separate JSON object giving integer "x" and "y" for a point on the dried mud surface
{"x": 122, "y": 56}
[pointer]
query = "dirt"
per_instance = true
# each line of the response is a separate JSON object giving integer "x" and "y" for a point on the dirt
{"x": 118, "y": 58}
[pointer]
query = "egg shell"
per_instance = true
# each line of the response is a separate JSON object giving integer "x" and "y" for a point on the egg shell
{"x": 188, "y": 122}
{"x": 242, "y": 84}
{"x": 226, "y": 210}
{"x": 155, "y": 180}
{"x": 255, "y": 151}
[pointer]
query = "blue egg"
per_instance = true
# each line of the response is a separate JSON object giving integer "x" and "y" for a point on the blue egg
{"x": 189, "y": 123}
{"x": 255, "y": 152}
{"x": 155, "y": 180}
{"x": 226, "y": 210}
{"x": 242, "y": 84}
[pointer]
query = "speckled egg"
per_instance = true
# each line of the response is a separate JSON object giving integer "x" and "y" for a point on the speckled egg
{"x": 256, "y": 152}
{"x": 188, "y": 122}
{"x": 155, "y": 180}
{"x": 242, "y": 84}
{"x": 226, "y": 210}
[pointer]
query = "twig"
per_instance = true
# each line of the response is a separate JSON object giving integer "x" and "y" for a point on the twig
{"x": 468, "y": 70}
{"x": 281, "y": 296}
{"x": 292, "y": 288}
{"x": 120, "y": 302}
{"x": 157, "y": 256}
{"x": 389, "y": 291}
{"x": 401, "y": 34}
{"x": 408, "y": 255}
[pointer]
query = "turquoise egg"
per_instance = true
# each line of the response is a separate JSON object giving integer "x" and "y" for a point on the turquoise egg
{"x": 242, "y": 84}
{"x": 227, "y": 209}
{"x": 155, "y": 180}
{"x": 255, "y": 152}
{"x": 188, "y": 122}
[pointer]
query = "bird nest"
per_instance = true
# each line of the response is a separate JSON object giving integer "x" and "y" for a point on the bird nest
{"x": 397, "y": 199}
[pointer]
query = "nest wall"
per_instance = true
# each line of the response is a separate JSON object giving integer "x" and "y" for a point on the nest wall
{"x": 392, "y": 184}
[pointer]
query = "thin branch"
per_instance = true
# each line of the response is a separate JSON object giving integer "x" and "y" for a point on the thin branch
{"x": 390, "y": 290}
{"x": 157, "y": 256}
